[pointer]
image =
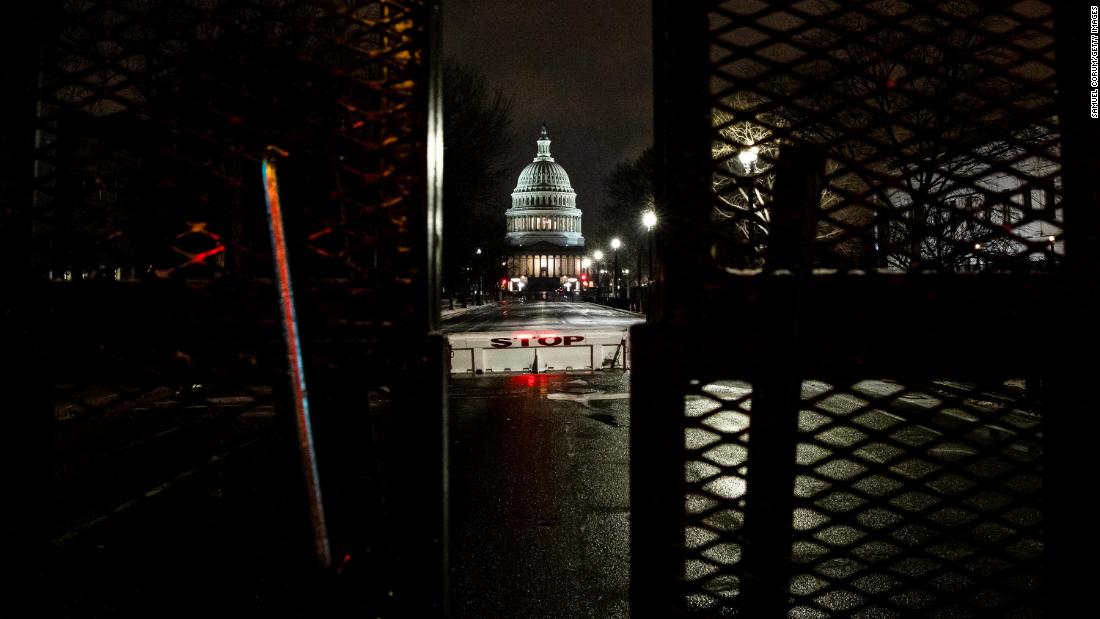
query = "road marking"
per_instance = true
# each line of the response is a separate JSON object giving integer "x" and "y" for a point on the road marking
{"x": 584, "y": 397}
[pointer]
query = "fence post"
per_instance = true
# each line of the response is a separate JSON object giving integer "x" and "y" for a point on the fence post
{"x": 777, "y": 387}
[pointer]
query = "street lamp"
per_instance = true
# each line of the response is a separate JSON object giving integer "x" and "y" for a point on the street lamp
{"x": 480, "y": 283}
{"x": 747, "y": 158}
{"x": 649, "y": 220}
{"x": 598, "y": 255}
{"x": 615, "y": 245}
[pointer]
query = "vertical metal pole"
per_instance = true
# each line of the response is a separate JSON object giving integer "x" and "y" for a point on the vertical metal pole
{"x": 294, "y": 358}
{"x": 615, "y": 277}
{"x": 434, "y": 169}
{"x": 650, "y": 298}
{"x": 777, "y": 389}
{"x": 682, "y": 140}
{"x": 682, "y": 144}
{"x": 657, "y": 482}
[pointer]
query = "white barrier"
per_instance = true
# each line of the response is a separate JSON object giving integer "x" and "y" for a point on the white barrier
{"x": 539, "y": 350}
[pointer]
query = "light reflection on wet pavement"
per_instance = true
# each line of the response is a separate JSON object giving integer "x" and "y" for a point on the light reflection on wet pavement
{"x": 540, "y": 495}
{"x": 513, "y": 315}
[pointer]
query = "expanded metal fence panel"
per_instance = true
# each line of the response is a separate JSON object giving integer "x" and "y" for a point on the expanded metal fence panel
{"x": 152, "y": 117}
{"x": 918, "y": 499}
{"x": 937, "y": 118}
{"x": 717, "y": 442}
{"x": 143, "y": 125}
{"x": 908, "y": 500}
{"x": 837, "y": 340}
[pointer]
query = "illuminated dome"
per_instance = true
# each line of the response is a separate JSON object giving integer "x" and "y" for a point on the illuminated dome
{"x": 546, "y": 248}
{"x": 544, "y": 205}
{"x": 543, "y": 174}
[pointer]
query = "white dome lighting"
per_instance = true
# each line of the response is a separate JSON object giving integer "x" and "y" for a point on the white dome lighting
{"x": 544, "y": 205}
{"x": 544, "y": 230}
{"x": 543, "y": 174}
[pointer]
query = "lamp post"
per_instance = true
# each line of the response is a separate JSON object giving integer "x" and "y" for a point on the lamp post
{"x": 598, "y": 255}
{"x": 747, "y": 158}
{"x": 649, "y": 220}
{"x": 615, "y": 245}
{"x": 480, "y": 283}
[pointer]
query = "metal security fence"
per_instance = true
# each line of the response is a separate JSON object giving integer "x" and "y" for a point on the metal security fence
{"x": 875, "y": 249}
{"x": 879, "y": 528}
{"x": 139, "y": 251}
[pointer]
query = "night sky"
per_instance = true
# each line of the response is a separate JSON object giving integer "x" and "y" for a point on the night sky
{"x": 584, "y": 67}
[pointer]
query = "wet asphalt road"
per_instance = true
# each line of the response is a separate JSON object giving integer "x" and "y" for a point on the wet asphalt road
{"x": 540, "y": 495}
{"x": 558, "y": 314}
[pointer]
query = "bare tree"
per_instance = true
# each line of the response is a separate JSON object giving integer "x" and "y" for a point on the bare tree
{"x": 477, "y": 137}
{"x": 748, "y": 145}
{"x": 629, "y": 190}
{"x": 917, "y": 118}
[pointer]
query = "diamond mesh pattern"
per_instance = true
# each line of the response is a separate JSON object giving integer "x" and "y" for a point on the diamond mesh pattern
{"x": 152, "y": 117}
{"x": 937, "y": 119}
{"x": 717, "y": 446}
{"x": 908, "y": 500}
{"x": 855, "y": 497}
{"x": 917, "y": 499}
{"x": 146, "y": 121}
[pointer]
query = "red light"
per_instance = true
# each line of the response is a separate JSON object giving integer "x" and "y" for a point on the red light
{"x": 201, "y": 257}
{"x": 504, "y": 281}
{"x": 584, "y": 277}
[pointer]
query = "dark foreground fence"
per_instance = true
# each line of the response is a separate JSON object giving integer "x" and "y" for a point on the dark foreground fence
{"x": 861, "y": 394}
{"x": 137, "y": 244}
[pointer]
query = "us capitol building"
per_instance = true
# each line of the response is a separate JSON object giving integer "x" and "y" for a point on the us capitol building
{"x": 544, "y": 239}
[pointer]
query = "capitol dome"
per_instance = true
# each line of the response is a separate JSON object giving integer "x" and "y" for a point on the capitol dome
{"x": 543, "y": 174}
{"x": 544, "y": 184}
{"x": 544, "y": 226}
{"x": 544, "y": 205}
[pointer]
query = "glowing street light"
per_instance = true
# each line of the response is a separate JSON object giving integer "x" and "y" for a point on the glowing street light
{"x": 747, "y": 157}
{"x": 649, "y": 220}
{"x": 615, "y": 245}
